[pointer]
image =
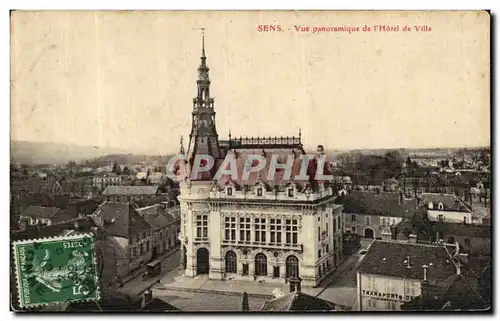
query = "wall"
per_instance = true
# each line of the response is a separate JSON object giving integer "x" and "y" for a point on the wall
{"x": 449, "y": 216}
{"x": 376, "y": 222}
{"x": 394, "y": 292}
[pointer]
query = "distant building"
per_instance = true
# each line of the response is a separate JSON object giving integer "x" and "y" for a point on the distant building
{"x": 368, "y": 214}
{"x": 129, "y": 193}
{"x": 391, "y": 273}
{"x": 447, "y": 208}
{"x": 40, "y": 215}
{"x": 110, "y": 179}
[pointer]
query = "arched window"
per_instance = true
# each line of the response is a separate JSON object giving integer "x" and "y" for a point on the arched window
{"x": 231, "y": 262}
{"x": 260, "y": 265}
{"x": 440, "y": 206}
{"x": 292, "y": 267}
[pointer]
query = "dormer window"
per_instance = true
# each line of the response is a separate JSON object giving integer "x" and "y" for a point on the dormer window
{"x": 259, "y": 191}
{"x": 431, "y": 206}
{"x": 229, "y": 191}
{"x": 440, "y": 206}
{"x": 290, "y": 192}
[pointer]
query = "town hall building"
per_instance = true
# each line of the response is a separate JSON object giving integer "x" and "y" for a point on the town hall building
{"x": 255, "y": 229}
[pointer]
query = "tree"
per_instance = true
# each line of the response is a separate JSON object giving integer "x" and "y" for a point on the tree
{"x": 116, "y": 169}
{"x": 126, "y": 171}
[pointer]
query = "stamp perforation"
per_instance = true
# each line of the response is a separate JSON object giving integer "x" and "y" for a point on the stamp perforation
{"x": 49, "y": 240}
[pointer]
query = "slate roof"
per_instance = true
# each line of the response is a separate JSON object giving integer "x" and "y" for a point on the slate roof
{"x": 383, "y": 204}
{"x": 450, "y": 202}
{"x": 39, "y": 212}
{"x": 131, "y": 190}
{"x": 457, "y": 292}
{"x": 120, "y": 219}
{"x": 297, "y": 301}
{"x": 387, "y": 259}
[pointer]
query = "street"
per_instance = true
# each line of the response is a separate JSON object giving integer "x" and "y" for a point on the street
{"x": 138, "y": 284}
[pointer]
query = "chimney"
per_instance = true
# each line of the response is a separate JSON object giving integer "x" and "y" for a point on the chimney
{"x": 470, "y": 199}
{"x": 400, "y": 199}
{"x": 458, "y": 264}
{"x": 146, "y": 298}
{"x": 386, "y": 236}
{"x": 425, "y": 271}
{"x": 76, "y": 226}
{"x": 412, "y": 238}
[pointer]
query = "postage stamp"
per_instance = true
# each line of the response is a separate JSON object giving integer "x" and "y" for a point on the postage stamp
{"x": 58, "y": 269}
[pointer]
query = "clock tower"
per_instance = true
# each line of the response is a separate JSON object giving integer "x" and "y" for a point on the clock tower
{"x": 203, "y": 139}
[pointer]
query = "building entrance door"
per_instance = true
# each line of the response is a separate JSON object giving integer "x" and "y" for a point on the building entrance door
{"x": 202, "y": 261}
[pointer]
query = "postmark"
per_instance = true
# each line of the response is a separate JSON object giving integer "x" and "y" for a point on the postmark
{"x": 57, "y": 269}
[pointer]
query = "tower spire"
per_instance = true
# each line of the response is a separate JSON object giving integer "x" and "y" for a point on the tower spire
{"x": 203, "y": 139}
{"x": 203, "y": 42}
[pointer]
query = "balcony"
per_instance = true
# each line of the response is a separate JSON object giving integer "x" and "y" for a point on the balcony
{"x": 263, "y": 245}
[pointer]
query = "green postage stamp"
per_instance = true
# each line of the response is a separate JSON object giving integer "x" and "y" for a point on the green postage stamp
{"x": 58, "y": 269}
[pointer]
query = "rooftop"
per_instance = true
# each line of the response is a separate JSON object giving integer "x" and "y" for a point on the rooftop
{"x": 450, "y": 202}
{"x": 131, "y": 190}
{"x": 393, "y": 258}
{"x": 297, "y": 301}
{"x": 383, "y": 204}
{"x": 40, "y": 212}
{"x": 120, "y": 219}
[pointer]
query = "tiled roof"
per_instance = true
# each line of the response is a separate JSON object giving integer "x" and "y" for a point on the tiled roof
{"x": 39, "y": 212}
{"x": 84, "y": 224}
{"x": 241, "y": 155}
{"x": 131, "y": 190}
{"x": 387, "y": 258}
{"x": 383, "y": 204}
{"x": 297, "y": 301}
{"x": 450, "y": 201}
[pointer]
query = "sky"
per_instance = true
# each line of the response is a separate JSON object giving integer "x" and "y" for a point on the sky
{"x": 127, "y": 79}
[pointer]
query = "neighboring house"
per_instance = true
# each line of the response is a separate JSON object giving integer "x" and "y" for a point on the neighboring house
{"x": 368, "y": 214}
{"x": 110, "y": 179}
{"x": 391, "y": 273}
{"x": 130, "y": 232}
{"x": 447, "y": 208}
{"x": 129, "y": 193}
{"x": 39, "y": 215}
{"x": 473, "y": 239}
{"x": 164, "y": 222}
